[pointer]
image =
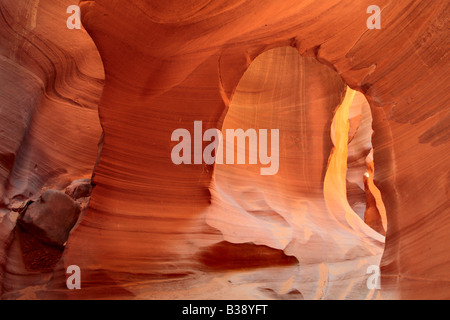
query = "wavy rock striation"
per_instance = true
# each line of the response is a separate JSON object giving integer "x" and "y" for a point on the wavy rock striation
{"x": 154, "y": 229}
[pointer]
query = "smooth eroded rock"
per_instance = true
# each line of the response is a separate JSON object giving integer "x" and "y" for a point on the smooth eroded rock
{"x": 51, "y": 217}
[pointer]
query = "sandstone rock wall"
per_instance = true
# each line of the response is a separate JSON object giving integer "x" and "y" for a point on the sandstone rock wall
{"x": 157, "y": 230}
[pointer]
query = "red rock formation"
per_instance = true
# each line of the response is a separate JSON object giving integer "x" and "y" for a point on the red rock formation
{"x": 51, "y": 81}
{"x": 157, "y": 230}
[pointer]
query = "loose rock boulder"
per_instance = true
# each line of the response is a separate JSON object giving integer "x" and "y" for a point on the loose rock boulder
{"x": 51, "y": 217}
{"x": 79, "y": 189}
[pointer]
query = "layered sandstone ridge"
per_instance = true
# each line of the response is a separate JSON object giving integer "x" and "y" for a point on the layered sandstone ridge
{"x": 51, "y": 82}
{"x": 154, "y": 229}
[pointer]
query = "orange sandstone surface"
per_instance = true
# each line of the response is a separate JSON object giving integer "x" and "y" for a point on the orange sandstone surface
{"x": 87, "y": 178}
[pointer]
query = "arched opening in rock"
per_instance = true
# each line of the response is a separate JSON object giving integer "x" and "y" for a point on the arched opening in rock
{"x": 362, "y": 194}
{"x": 352, "y": 145}
{"x": 314, "y": 208}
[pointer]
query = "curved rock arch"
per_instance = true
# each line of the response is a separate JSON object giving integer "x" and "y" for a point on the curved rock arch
{"x": 207, "y": 58}
{"x": 172, "y": 72}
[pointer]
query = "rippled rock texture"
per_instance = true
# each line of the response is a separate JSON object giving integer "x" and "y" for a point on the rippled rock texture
{"x": 363, "y": 173}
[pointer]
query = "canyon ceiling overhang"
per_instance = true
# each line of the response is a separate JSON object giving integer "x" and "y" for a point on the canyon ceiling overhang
{"x": 154, "y": 229}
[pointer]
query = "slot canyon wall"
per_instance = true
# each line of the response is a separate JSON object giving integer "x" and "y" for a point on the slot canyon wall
{"x": 87, "y": 179}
